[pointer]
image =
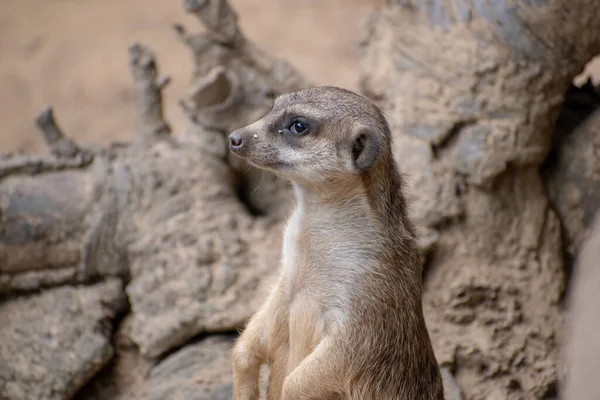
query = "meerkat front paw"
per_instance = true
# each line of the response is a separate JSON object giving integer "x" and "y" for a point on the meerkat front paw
{"x": 246, "y": 369}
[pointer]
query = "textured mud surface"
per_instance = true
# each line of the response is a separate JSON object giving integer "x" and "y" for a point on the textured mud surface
{"x": 497, "y": 275}
{"x": 54, "y": 342}
{"x": 190, "y": 237}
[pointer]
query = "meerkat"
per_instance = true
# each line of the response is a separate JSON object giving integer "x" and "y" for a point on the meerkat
{"x": 344, "y": 319}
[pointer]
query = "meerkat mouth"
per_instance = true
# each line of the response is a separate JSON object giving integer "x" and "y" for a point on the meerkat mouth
{"x": 271, "y": 165}
{"x": 278, "y": 165}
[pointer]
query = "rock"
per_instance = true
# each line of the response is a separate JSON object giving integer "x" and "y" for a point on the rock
{"x": 200, "y": 371}
{"x": 471, "y": 119}
{"x": 125, "y": 377}
{"x": 583, "y": 347}
{"x": 452, "y": 389}
{"x": 58, "y": 226}
{"x": 431, "y": 194}
{"x": 572, "y": 170}
{"x": 54, "y": 342}
{"x": 198, "y": 256}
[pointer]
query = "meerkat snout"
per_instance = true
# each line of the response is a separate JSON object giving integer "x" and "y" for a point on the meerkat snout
{"x": 236, "y": 140}
{"x": 318, "y": 134}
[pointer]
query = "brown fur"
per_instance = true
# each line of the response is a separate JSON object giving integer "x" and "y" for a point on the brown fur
{"x": 344, "y": 320}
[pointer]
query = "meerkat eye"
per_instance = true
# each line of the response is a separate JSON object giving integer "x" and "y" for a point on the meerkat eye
{"x": 298, "y": 127}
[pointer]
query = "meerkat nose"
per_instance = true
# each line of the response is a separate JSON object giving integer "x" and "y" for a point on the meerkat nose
{"x": 236, "y": 140}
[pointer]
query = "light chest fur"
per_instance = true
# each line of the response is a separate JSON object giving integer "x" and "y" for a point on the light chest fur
{"x": 327, "y": 249}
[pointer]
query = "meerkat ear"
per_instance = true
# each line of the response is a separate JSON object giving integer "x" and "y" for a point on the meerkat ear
{"x": 365, "y": 149}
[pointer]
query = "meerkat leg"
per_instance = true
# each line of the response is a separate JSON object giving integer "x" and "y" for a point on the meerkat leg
{"x": 248, "y": 356}
{"x": 317, "y": 376}
{"x": 250, "y": 350}
{"x": 279, "y": 353}
{"x": 277, "y": 375}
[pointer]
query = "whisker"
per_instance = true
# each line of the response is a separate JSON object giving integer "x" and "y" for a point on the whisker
{"x": 247, "y": 170}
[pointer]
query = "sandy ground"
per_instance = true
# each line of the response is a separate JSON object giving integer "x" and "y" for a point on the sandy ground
{"x": 72, "y": 54}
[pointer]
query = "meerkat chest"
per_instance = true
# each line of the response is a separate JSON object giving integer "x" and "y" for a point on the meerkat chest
{"x": 325, "y": 251}
{"x": 324, "y": 254}
{"x": 308, "y": 324}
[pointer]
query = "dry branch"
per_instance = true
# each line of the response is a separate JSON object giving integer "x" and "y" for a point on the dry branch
{"x": 148, "y": 94}
{"x": 59, "y": 144}
{"x": 218, "y": 17}
{"x": 67, "y": 154}
{"x": 31, "y": 165}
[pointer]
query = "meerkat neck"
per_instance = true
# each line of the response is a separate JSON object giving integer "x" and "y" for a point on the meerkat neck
{"x": 383, "y": 187}
{"x": 378, "y": 192}
{"x": 337, "y": 194}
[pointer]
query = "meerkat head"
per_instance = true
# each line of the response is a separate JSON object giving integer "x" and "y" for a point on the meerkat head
{"x": 315, "y": 135}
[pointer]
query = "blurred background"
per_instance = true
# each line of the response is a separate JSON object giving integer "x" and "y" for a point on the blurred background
{"x": 72, "y": 54}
